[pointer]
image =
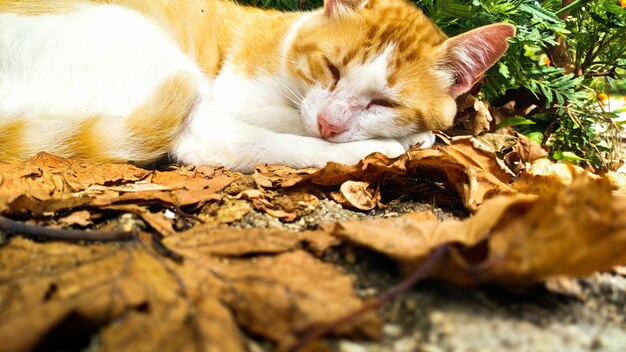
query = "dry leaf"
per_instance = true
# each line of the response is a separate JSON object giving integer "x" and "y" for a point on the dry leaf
{"x": 81, "y": 218}
{"x": 140, "y": 300}
{"x": 620, "y": 270}
{"x": 157, "y": 221}
{"x": 45, "y": 185}
{"x": 474, "y": 114}
{"x": 46, "y": 177}
{"x": 566, "y": 286}
{"x": 528, "y": 150}
{"x": 319, "y": 241}
{"x": 573, "y": 230}
{"x": 544, "y": 176}
{"x": 226, "y": 212}
{"x": 359, "y": 195}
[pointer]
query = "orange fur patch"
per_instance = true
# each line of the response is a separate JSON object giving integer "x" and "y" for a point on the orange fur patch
{"x": 85, "y": 143}
{"x": 11, "y": 140}
{"x": 259, "y": 51}
{"x": 156, "y": 123}
{"x": 37, "y": 7}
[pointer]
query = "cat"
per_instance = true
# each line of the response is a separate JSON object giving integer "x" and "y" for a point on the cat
{"x": 210, "y": 82}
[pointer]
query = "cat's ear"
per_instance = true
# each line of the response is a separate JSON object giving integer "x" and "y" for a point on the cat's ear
{"x": 340, "y": 7}
{"x": 467, "y": 56}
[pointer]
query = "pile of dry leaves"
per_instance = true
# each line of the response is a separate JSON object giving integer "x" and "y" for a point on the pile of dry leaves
{"x": 181, "y": 279}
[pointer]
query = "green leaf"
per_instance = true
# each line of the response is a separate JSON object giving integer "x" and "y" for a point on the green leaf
{"x": 567, "y": 156}
{"x": 515, "y": 121}
{"x": 536, "y": 137}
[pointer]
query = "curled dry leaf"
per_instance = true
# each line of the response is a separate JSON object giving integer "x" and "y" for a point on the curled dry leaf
{"x": 569, "y": 230}
{"x": 474, "y": 114}
{"x": 135, "y": 299}
{"x": 80, "y": 218}
{"x": 481, "y": 152}
{"x": 528, "y": 150}
{"x": 358, "y": 195}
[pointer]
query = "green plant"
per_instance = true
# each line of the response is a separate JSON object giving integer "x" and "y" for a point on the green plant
{"x": 565, "y": 56}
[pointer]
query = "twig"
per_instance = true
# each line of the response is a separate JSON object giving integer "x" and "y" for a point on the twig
{"x": 385, "y": 297}
{"x": 27, "y": 230}
{"x": 601, "y": 74}
{"x": 187, "y": 215}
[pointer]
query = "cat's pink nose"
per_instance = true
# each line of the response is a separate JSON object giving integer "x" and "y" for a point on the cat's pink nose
{"x": 328, "y": 129}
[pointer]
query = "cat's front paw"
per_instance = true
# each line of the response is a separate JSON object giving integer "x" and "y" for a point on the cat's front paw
{"x": 389, "y": 147}
{"x": 423, "y": 139}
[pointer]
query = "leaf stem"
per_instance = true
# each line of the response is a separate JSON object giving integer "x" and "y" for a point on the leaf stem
{"x": 27, "y": 230}
{"x": 421, "y": 273}
{"x": 571, "y": 6}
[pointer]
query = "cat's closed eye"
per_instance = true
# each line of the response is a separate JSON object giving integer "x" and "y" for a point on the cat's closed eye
{"x": 336, "y": 75}
{"x": 384, "y": 103}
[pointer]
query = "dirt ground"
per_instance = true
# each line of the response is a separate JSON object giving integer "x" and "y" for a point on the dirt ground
{"x": 436, "y": 316}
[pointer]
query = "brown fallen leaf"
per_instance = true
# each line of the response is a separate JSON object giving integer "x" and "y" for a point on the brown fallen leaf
{"x": 571, "y": 230}
{"x": 528, "y": 150}
{"x": 544, "y": 176}
{"x": 225, "y": 212}
{"x": 357, "y": 194}
{"x": 157, "y": 221}
{"x": 46, "y": 177}
{"x": 298, "y": 200}
{"x": 80, "y": 218}
{"x": 480, "y": 119}
{"x": 287, "y": 207}
{"x": 319, "y": 241}
{"x": 474, "y": 114}
{"x": 480, "y": 152}
{"x": 46, "y": 183}
{"x": 209, "y": 240}
{"x": 475, "y": 186}
{"x": 566, "y": 286}
{"x": 620, "y": 270}
{"x": 135, "y": 299}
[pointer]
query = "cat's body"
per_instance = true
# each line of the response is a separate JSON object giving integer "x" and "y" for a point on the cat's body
{"x": 210, "y": 82}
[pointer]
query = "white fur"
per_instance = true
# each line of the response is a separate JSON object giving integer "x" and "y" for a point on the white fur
{"x": 267, "y": 102}
{"x": 104, "y": 60}
{"x": 58, "y": 69}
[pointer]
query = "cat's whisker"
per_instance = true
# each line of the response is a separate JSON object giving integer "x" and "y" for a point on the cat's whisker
{"x": 294, "y": 96}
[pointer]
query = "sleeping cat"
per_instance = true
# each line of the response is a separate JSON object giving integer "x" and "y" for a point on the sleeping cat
{"x": 215, "y": 83}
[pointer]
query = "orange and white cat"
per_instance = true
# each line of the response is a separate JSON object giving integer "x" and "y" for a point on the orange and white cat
{"x": 215, "y": 83}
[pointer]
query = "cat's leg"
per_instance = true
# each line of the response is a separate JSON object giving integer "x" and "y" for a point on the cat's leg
{"x": 211, "y": 138}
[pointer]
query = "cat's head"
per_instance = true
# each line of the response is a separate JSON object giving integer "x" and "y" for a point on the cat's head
{"x": 380, "y": 68}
